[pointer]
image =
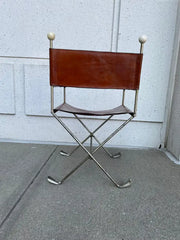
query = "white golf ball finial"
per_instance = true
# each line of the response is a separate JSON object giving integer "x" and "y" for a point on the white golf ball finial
{"x": 51, "y": 36}
{"x": 142, "y": 39}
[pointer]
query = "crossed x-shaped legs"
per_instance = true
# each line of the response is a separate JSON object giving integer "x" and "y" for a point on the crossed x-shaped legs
{"x": 91, "y": 136}
{"x": 90, "y": 153}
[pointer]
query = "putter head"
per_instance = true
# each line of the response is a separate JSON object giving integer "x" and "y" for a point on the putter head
{"x": 53, "y": 181}
{"x": 64, "y": 153}
{"x": 116, "y": 155}
{"x": 125, "y": 185}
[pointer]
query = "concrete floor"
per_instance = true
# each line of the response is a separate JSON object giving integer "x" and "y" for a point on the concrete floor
{"x": 87, "y": 206}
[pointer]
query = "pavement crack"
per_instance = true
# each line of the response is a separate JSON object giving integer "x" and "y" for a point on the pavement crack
{"x": 27, "y": 187}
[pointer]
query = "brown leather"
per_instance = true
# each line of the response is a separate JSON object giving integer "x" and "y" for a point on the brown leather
{"x": 90, "y": 69}
{"x": 70, "y": 109}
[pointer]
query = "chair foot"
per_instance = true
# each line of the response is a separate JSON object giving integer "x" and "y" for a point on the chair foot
{"x": 125, "y": 185}
{"x": 56, "y": 182}
{"x": 63, "y": 153}
{"x": 116, "y": 155}
{"x": 53, "y": 181}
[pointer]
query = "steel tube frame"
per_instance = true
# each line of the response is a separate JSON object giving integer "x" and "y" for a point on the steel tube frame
{"x": 92, "y": 135}
{"x": 126, "y": 184}
{"x": 51, "y": 37}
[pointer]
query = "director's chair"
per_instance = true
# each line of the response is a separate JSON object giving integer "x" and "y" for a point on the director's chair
{"x": 98, "y": 70}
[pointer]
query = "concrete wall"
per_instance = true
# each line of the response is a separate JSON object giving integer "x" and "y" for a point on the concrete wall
{"x": 93, "y": 25}
{"x": 173, "y": 143}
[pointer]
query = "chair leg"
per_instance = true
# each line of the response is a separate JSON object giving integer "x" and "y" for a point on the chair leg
{"x": 57, "y": 182}
{"x": 123, "y": 185}
{"x": 90, "y": 144}
{"x": 116, "y": 155}
{"x": 63, "y": 153}
{"x": 126, "y": 184}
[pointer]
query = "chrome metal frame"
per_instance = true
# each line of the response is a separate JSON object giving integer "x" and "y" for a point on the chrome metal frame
{"x": 91, "y": 135}
{"x": 90, "y": 153}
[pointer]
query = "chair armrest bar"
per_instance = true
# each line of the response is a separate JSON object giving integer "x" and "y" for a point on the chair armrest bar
{"x": 64, "y": 94}
{"x": 51, "y": 37}
{"x": 135, "y": 102}
{"x": 123, "y": 97}
{"x": 142, "y": 40}
{"x": 52, "y": 99}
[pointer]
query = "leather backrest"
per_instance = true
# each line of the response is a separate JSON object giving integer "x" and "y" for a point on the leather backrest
{"x": 92, "y": 69}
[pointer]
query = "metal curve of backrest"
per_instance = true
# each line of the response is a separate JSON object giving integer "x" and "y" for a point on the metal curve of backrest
{"x": 93, "y": 69}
